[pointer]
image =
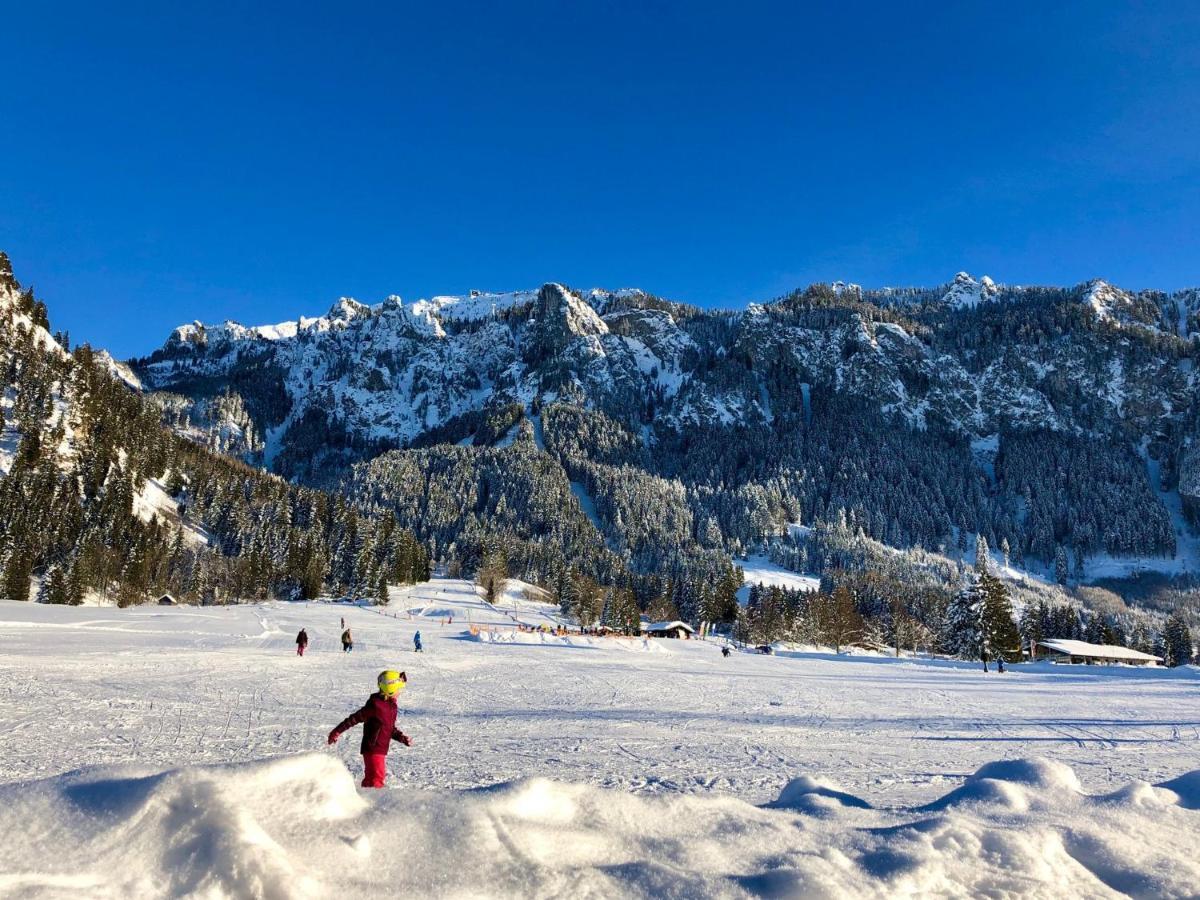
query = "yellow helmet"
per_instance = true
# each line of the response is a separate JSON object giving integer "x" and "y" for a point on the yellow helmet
{"x": 391, "y": 682}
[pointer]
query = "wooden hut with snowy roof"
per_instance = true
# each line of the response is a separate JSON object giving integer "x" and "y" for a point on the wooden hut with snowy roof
{"x": 675, "y": 629}
{"x": 1062, "y": 650}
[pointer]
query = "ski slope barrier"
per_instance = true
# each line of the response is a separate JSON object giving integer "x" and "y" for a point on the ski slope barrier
{"x": 512, "y": 636}
{"x": 297, "y": 827}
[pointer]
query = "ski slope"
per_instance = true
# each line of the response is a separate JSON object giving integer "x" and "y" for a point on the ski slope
{"x": 759, "y": 570}
{"x": 182, "y": 750}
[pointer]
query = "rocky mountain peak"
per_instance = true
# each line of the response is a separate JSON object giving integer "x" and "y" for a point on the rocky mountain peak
{"x": 560, "y": 320}
{"x": 557, "y": 305}
{"x": 346, "y": 309}
{"x": 966, "y": 291}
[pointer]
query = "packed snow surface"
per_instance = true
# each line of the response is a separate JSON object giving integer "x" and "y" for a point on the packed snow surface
{"x": 181, "y": 751}
{"x": 760, "y": 570}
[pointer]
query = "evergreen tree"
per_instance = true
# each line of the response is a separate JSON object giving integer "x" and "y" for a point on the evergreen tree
{"x": 1060, "y": 564}
{"x": 982, "y": 555}
{"x": 1177, "y": 642}
{"x": 1001, "y": 637}
{"x": 962, "y": 632}
{"x": 838, "y": 620}
{"x": 17, "y": 572}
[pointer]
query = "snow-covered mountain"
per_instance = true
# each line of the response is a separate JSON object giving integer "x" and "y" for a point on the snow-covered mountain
{"x": 736, "y": 403}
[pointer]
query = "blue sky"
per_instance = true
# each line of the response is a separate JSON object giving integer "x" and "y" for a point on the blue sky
{"x": 162, "y": 163}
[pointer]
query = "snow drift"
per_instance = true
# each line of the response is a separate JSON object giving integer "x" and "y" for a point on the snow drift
{"x": 298, "y": 827}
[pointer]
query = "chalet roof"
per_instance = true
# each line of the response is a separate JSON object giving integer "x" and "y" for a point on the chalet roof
{"x": 1097, "y": 651}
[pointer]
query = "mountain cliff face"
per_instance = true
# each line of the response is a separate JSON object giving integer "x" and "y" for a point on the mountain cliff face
{"x": 1031, "y": 415}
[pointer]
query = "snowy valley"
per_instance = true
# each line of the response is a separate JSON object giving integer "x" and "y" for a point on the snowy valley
{"x": 543, "y": 767}
{"x": 871, "y": 486}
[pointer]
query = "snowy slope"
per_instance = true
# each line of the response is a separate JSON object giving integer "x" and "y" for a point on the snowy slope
{"x": 547, "y": 769}
{"x": 760, "y": 570}
{"x": 664, "y": 717}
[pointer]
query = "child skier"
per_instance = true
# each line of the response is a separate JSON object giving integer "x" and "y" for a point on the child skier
{"x": 301, "y": 642}
{"x": 347, "y": 641}
{"x": 417, "y": 642}
{"x": 378, "y": 719}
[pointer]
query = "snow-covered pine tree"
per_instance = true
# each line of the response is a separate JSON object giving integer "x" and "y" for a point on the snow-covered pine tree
{"x": 53, "y": 588}
{"x": 1001, "y": 637}
{"x": 982, "y": 554}
{"x": 1032, "y": 627}
{"x": 962, "y": 630}
{"x": 1177, "y": 642}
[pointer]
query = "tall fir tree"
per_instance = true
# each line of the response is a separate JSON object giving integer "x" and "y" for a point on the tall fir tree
{"x": 962, "y": 632}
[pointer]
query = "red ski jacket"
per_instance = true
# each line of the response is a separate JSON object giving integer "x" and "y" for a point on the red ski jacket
{"x": 378, "y": 719}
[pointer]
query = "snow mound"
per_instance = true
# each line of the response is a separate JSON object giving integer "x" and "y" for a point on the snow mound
{"x": 1015, "y": 785}
{"x": 202, "y": 831}
{"x": 296, "y": 827}
{"x": 1186, "y": 788}
{"x": 816, "y": 796}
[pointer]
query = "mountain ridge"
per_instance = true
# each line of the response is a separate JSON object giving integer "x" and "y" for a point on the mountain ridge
{"x": 1103, "y": 378}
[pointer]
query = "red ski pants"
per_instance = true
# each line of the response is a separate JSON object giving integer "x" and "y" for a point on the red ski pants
{"x": 300, "y": 649}
{"x": 374, "y": 770}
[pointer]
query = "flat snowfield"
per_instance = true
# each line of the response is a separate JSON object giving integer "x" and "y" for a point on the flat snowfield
{"x": 181, "y": 751}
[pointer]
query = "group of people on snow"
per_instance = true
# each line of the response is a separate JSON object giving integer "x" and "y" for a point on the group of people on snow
{"x": 347, "y": 640}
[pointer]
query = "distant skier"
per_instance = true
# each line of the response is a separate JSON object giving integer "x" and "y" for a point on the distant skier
{"x": 725, "y": 651}
{"x": 301, "y": 642}
{"x": 347, "y": 641}
{"x": 1000, "y": 664}
{"x": 378, "y": 719}
{"x": 984, "y": 656}
{"x": 343, "y": 622}
{"x": 417, "y": 642}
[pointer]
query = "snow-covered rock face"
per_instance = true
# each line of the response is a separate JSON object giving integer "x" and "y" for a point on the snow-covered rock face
{"x": 966, "y": 291}
{"x": 1104, "y": 299}
{"x": 386, "y": 374}
{"x": 118, "y": 370}
{"x": 347, "y": 310}
{"x": 563, "y": 321}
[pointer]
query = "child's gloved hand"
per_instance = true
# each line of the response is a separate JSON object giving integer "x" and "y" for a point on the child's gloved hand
{"x": 333, "y": 736}
{"x": 406, "y": 740}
